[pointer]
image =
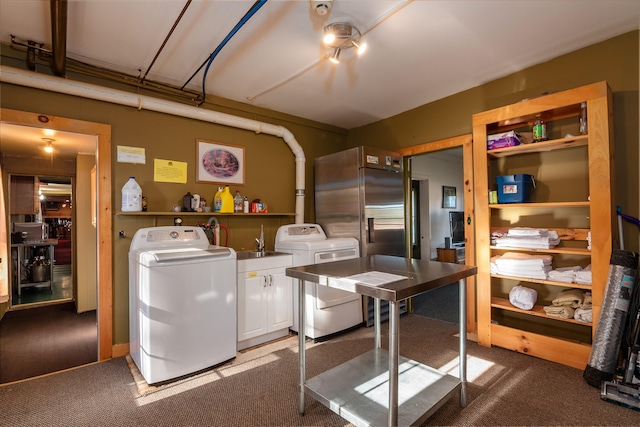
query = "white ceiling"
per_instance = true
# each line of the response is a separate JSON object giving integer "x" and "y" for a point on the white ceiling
{"x": 418, "y": 51}
{"x": 25, "y": 141}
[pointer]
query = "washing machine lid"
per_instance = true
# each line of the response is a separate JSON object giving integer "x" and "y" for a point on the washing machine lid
{"x": 185, "y": 256}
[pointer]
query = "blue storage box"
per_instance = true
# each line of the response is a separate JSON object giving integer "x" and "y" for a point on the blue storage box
{"x": 515, "y": 188}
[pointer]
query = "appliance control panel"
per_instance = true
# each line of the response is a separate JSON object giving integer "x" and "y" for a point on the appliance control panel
{"x": 305, "y": 232}
{"x": 169, "y": 237}
{"x": 176, "y": 234}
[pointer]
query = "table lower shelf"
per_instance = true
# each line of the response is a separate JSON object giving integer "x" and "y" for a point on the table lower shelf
{"x": 358, "y": 390}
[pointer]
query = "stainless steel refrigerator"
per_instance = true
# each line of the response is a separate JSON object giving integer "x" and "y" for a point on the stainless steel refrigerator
{"x": 359, "y": 193}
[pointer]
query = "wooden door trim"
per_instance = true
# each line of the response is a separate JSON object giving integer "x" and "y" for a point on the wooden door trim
{"x": 466, "y": 143}
{"x": 104, "y": 216}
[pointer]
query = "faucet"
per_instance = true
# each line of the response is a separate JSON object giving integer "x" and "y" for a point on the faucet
{"x": 260, "y": 241}
{"x": 215, "y": 225}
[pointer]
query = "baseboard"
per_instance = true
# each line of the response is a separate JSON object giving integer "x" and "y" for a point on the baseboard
{"x": 119, "y": 350}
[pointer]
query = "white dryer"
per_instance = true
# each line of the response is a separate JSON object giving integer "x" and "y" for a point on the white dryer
{"x": 328, "y": 310}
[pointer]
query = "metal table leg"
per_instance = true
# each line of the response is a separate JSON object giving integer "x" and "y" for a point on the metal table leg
{"x": 463, "y": 342}
{"x": 377, "y": 343}
{"x": 394, "y": 354}
{"x": 301, "y": 344}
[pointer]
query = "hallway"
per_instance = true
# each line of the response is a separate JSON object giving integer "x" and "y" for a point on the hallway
{"x": 46, "y": 339}
{"x": 62, "y": 288}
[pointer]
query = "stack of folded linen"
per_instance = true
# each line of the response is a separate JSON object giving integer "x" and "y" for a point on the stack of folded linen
{"x": 573, "y": 298}
{"x": 521, "y": 265}
{"x": 583, "y": 276}
{"x": 526, "y": 237}
{"x": 571, "y": 303}
{"x": 564, "y": 274}
{"x": 561, "y": 311}
{"x": 584, "y": 313}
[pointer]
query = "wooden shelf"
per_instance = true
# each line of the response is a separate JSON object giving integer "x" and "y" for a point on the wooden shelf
{"x": 536, "y": 147}
{"x": 544, "y": 282}
{"x": 579, "y": 204}
{"x": 537, "y": 311}
{"x": 568, "y": 352}
{"x": 202, "y": 214}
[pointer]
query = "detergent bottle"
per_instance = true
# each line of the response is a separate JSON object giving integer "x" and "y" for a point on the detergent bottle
{"x": 227, "y": 200}
{"x": 217, "y": 200}
{"x": 237, "y": 202}
{"x": 131, "y": 196}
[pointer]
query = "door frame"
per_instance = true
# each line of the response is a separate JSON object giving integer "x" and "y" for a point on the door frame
{"x": 104, "y": 209}
{"x": 466, "y": 143}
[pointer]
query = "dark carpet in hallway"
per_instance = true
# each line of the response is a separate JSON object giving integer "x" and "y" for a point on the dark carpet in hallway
{"x": 47, "y": 339}
{"x": 441, "y": 303}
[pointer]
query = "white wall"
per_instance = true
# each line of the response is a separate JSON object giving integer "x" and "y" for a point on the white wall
{"x": 443, "y": 168}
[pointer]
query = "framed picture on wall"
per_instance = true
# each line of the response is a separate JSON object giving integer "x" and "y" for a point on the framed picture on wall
{"x": 219, "y": 163}
{"x": 448, "y": 197}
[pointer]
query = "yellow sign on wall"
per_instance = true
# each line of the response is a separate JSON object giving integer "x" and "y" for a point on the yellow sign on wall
{"x": 169, "y": 171}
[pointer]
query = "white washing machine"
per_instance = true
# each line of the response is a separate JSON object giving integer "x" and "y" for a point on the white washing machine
{"x": 327, "y": 310}
{"x": 182, "y": 302}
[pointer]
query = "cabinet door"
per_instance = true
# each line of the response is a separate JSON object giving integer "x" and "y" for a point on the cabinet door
{"x": 23, "y": 195}
{"x": 280, "y": 300}
{"x": 252, "y": 307}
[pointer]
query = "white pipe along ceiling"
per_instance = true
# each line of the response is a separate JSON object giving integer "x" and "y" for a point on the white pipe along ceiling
{"x": 86, "y": 90}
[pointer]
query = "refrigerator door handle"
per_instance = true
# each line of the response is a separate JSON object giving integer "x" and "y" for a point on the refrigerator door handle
{"x": 371, "y": 230}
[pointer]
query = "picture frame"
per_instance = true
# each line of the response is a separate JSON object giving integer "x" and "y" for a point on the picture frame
{"x": 219, "y": 163}
{"x": 449, "y": 199}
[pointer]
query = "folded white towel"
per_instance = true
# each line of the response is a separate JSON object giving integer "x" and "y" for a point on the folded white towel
{"x": 583, "y": 277}
{"x": 527, "y": 231}
{"x": 583, "y": 315}
{"x": 521, "y": 265}
{"x": 572, "y": 269}
{"x": 523, "y": 237}
{"x": 523, "y": 298}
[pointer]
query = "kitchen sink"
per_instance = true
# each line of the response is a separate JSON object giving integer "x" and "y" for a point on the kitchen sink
{"x": 258, "y": 254}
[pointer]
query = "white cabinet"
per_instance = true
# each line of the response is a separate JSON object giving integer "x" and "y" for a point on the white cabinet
{"x": 265, "y": 299}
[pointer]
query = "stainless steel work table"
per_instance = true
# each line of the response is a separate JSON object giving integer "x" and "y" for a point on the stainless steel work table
{"x": 356, "y": 389}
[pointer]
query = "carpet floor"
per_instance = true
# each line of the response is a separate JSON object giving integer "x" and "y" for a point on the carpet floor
{"x": 505, "y": 388}
{"x": 46, "y": 339}
{"x": 442, "y": 303}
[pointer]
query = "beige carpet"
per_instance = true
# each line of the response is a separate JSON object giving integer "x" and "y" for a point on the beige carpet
{"x": 242, "y": 357}
{"x": 260, "y": 389}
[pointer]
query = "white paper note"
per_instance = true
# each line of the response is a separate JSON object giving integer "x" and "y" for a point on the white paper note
{"x": 374, "y": 278}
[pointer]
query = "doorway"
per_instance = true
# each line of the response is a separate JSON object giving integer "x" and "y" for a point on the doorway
{"x": 103, "y": 220}
{"x": 42, "y": 267}
{"x": 463, "y": 143}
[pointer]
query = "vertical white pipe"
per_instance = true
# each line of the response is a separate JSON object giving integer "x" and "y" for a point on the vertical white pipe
{"x": 86, "y": 90}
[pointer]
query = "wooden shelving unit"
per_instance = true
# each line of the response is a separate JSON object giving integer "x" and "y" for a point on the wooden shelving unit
{"x": 573, "y": 197}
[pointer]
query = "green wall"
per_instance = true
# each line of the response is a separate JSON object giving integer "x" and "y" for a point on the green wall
{"x": 270, "y": 165}
{"x": 615, "y": 60}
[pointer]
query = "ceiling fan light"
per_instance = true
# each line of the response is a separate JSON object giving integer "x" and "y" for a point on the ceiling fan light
{"x": 335, "y": 58}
